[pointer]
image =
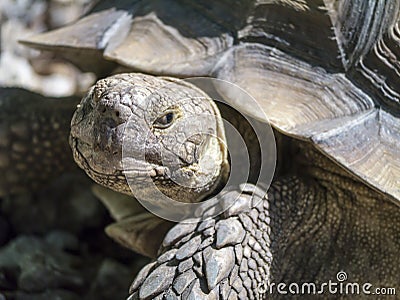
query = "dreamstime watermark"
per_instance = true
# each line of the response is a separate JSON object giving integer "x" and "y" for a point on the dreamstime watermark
{"x": 340, "y": 286}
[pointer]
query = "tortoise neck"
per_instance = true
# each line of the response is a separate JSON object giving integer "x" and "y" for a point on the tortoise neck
{"x": 247, "y": 133}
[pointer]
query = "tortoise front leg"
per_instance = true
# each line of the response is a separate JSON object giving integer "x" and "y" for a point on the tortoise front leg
{"x": 302, "y": 232}
{"x": 225, "y": 257}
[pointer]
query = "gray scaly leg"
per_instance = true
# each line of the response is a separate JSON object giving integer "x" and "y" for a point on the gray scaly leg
{"x": 304, "y": 231}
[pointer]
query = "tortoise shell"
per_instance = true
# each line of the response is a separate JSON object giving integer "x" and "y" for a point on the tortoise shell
{"x": 323, "y": 71}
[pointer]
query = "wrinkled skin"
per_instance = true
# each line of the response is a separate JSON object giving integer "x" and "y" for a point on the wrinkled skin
{"x": 315, "y": 221}
{"x": 138, "y": 110}
{"x": 333, "y": 61}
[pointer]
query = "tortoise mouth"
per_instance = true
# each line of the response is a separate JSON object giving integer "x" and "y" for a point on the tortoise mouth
{"x": 127, "y": 167}
{"x": 83, "y": 162}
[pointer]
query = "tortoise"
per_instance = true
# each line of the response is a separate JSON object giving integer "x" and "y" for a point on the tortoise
{"x": 326, "y": 75}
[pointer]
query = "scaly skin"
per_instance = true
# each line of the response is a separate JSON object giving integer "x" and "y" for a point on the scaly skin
{"x": 317, "y": 221}
{"x": 33, "y": 139}
{"x": 169, "y": 153}
{"x": 307, "y": 229}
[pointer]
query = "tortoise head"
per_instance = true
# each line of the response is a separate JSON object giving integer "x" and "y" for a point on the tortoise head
{"x": 144, "y": 128}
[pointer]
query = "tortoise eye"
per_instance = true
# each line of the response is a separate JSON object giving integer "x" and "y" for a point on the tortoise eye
{"x": 165, "y": 121}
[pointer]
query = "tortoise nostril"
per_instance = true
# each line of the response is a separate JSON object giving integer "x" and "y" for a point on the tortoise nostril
{"x": 103, "y": 110}
{"x": 117, "y": 114}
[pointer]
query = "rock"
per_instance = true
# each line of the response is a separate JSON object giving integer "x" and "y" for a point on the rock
{"x": 37, "y": 266}
{"x": 111, "y": 281}
{"x": 62, "y": 240}
{"x": 4, "y": 230}
{"x": 56, "y": 294}
{"x": 66, "y": 204}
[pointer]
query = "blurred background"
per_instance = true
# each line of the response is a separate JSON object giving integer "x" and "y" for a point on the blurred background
{"x": 52, "y": 241}
{"x": 40, "y": 72}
